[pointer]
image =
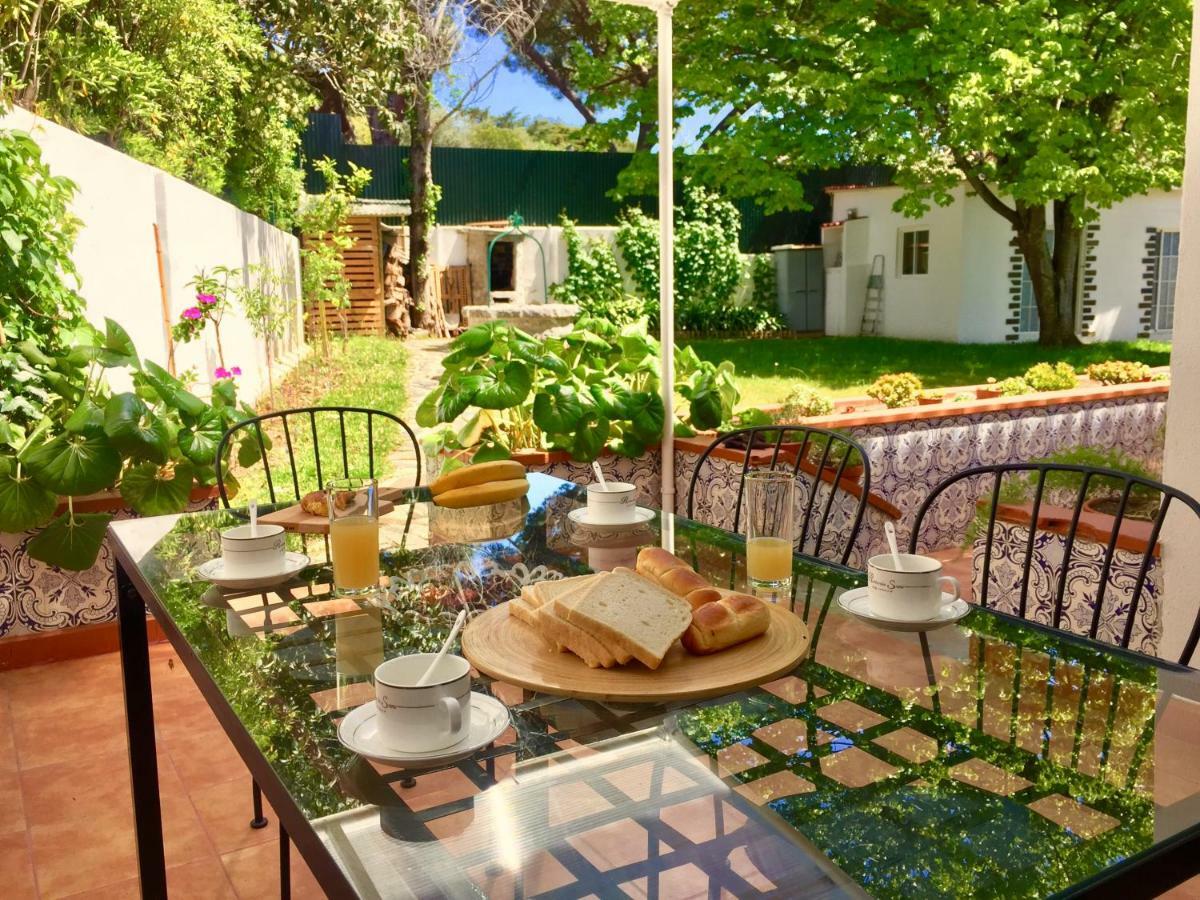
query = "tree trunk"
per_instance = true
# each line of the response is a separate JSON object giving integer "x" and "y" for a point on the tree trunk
{"x": 1053, "y": 274}
{"x": 428, "y": 310}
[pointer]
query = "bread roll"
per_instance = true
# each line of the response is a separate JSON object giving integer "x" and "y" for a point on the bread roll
{"x": 682, "y": 580}
{"x": 483, "y": 494}
{"x": 479, "y": 473}
{"x": 700, "y": 596}
{"x": 654, "y": 562}
{"x": 722, "y": 623}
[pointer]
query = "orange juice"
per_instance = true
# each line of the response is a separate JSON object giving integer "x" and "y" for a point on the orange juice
{"x": 354, "y": 543}
{"x": 768, "y": 559}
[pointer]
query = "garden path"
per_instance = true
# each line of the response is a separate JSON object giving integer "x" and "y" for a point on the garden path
{"x": 424, "y": 368}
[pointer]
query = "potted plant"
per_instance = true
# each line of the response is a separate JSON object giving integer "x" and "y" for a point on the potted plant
{"x": 930, "y": 398}
{"x": 593, "y": 389}
{"x": 1118, "y": 372}
{"x": 988, "y": 391}
{"x": 153, "y": 446}
{"x": 1046, "y": 376}
{"x": 838, "y": 450}
{"x": 804, "y": 403}
{"x": 896, "y": 389}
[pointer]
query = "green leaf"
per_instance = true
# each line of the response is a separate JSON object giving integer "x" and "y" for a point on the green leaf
{"x": 70, "y": 542}
{"x": 134, "y": 429}
{"x": 117, "y": 349}
{"x": 172, "y": 391}
{"x": 589, "y": 437}
{"x": 248, "y": 452}
{"x": 199, "y": 443}
{"x": 706, "y": 409}
{"x": 24, "y": 503}
{"x": 475, "y": 341}
{"x": 505, "y": 388}
{"x": 492, "y": 448}
{"x": 157, "y": 490}
{"x": 613, "y": 399}
{"x": 557, "y": 408}
{"x": 427, "y": 415}
{"x": 646, "y": 415}
{"x": 456, "y": 396}
{"x": 87, "y": 416}
{"x": 73, "y": 464}
{"x": 630, "y": 445}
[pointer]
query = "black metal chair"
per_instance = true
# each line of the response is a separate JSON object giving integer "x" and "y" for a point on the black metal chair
{"x": 1030, "y": 479}
{"x": 309, "y": 417}
{"x": 824, "y": 456}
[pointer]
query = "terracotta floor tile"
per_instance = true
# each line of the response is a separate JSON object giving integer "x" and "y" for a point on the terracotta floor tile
{"x": 789, "y": 689}
{"x": 1075, "y": 817}
{"x": 435, "y": 789}
{"x": 203, "y": 879}
{"x": 849, "y": 715}
{"x": 781, "y": 784}
{"x": 73, "y": 684}
{"x": 16, "y": 866}
{"x": 571, "y": 801}
{"x": 740, "y": 863}
{"x": 788, "y": 736}
{"x": 254, "y": 873}
{"x": 910, "y": 744}
{"x": 702, "y": 819}
{"x": 225, "y": 810}
{"x": 612, "y": 846}
{"x": 540, "y": 873}
{"x": 50, "y": 737}
{"x": 81, "y": 822}
{"x": 987, "y": 777}
{"x": 686, "y": 882}
{"x": 738, "y": 758}
{"x": 8, "y": 746}
{"x": 855, "y": 768}
{"x": 636, "y": 782}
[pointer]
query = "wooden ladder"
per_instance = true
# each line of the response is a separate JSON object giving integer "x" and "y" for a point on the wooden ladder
{"x": 872, "y": 318}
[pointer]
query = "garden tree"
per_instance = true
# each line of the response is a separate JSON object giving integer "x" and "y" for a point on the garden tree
{"x": 264, "y": 301}
{"x": 185, "y": 85}
{"x": 323, "y": 221}
{"x": 1048, "y": 112}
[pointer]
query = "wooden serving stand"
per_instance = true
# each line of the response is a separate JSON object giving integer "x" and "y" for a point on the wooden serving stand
{"x": 508, "y": 650}
{"x": 294, "y": 518}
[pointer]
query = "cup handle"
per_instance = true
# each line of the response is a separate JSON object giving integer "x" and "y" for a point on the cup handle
{"x": 454, "y": 711}
{"x": 954, "y": 582}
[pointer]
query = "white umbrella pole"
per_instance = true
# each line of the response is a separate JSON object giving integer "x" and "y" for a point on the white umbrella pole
{"x": 666, "y": 249}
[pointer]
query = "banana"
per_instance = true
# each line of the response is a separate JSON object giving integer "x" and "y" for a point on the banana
{"x": 479, "y": 473}
{"x": 483, "y": 494}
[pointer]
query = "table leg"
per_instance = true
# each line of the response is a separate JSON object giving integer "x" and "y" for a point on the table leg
{"x": 139, "y": 722}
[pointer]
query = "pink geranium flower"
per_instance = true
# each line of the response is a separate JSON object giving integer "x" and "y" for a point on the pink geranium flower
{"x": 206, "y": 299}
{"x": 236, "y": 370}
{"x": 221, "y": 372}
{"x": 193, "y": 312}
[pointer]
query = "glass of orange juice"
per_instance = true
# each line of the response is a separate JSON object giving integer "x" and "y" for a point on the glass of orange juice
{"x": 354, "y": 534}
{"x": 769, "y": 522}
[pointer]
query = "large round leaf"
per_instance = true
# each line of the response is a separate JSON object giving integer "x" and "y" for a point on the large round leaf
{"x": 70, "y": 541}
{"x": 87, "y": 416}
{"x": 558, "y": 408}
{"x": 504, "y": 388}
{"x": 613, "y": 399}
{"x": 134, "y": 429}
{"x": 589, "y": 437}
{"x": 157, "y": 490}
{"x": 76, "y": 463}
{"x": 646, "y": 415}
{"x": 457, "y": 394}
{"x": 474, "y": 341}
{"x": 706, "y": 409}
{"x": 199, "y": 443}
{"x": 172, "y": 391}
{"x": 427, "y": 410}
{"x": 24, "y": 503}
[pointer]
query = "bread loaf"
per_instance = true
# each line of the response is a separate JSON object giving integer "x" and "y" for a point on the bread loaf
{"x": 654, "y": 562}
{"x": 722, "y": 623}
{"x": 483, "y": 494}
{"x": 682, "y": 580}
{"x": 700, "y": 596}
{"x": 478, "y": 473}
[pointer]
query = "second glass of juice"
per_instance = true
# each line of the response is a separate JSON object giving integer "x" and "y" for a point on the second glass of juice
{"x": 354, "y": 534}
{"x": 769, "y": 523}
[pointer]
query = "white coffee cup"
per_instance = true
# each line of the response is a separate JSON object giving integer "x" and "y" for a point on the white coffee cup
{"x": 613, "y": 504}
{"x": 910, "y": 593}
{"x": 418, "y": 719}
{"x": 247, "y": 552}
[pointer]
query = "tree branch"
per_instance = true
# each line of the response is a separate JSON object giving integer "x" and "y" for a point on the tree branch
{"x": 989, "y": 197}
{"x": 557, "y": 79}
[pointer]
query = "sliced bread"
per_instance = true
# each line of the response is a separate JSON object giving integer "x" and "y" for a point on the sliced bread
{"x": 519, "y": 608}
{"x": 629, "y": 612}
{"x": 564, "y": 635}
{"x": 541, "y": 592}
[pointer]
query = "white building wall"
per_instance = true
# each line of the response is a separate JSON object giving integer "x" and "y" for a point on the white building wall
{"x": 1120, "y": 272}
{"x": 986, "y": 274}
{"x": 119, "y": 201}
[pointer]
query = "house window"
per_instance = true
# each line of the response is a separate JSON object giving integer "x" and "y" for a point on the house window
{"x": 914, "y": 252}
{"x": 1030, "y": 323}
{"x": 1164, "y": 280}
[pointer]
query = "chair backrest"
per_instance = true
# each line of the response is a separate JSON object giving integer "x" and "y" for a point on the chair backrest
{"x": 313, "y": 428}
{"x": 1032, "y": 481}
{"x": 824, "y": 457}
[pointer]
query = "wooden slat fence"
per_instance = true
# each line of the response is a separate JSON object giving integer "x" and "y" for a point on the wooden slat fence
{"x": 362, "y": 266}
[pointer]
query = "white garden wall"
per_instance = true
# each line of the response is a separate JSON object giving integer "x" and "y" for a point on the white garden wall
{"x": 120, "y": 200}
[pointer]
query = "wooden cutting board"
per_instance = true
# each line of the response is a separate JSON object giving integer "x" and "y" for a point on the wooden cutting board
{"x": 507, "y": 649}
{"x": 294, "y": 518}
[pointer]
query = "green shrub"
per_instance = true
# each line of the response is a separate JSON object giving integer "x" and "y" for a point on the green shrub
{"x": 896, "y": 389}
{"x": 1013, "y": 387}
{"x": 1118, "y": 372}
{"x": 1046, "y": 376}
{"x": 804, "y": 402}
{"x": 594, "y": 281}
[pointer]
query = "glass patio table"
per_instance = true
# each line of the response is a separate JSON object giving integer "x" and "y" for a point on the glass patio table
{"x": 991, "y": 757}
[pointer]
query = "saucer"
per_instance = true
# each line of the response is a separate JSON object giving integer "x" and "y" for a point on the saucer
{"x": 855, "y": 603}
{"x": 358, "y": 732}
{"x": 214, "y": 571}
{"x": 640, "y": 517}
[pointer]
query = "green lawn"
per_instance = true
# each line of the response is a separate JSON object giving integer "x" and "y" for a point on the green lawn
{"x": 767, "y": 370}
{"x": 370, "y": 372}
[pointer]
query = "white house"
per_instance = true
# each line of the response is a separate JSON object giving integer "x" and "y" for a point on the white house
{"x": 954, "y": 274}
